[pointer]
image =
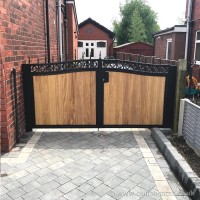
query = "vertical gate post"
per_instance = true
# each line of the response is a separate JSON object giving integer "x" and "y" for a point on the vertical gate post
{"x": 180, "y": 90}
{"x": 28, "y": 96}
{"x": 99, "y": 94}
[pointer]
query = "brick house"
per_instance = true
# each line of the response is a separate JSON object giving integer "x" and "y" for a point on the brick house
{"x": 94, "y": 38}
{"x": 29, "y": 32}
{"x": 170, "y": 43}
{"x": 195, "y": 37}
{"x": 135, "y": 48}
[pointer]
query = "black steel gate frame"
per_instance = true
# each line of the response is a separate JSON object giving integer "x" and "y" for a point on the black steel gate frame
{"x": 102, "y": 67}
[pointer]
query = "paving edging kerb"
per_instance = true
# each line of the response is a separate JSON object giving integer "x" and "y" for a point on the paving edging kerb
{"x": 181, "y": 168}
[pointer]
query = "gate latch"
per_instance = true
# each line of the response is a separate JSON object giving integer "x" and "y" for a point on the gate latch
{"x": 105, "y": 77}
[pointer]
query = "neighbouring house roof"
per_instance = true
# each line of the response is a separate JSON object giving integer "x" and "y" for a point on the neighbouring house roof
{"x": 174, "y": 29}
{"x": 90, "y": 20}
{"x": 130, "y": 43}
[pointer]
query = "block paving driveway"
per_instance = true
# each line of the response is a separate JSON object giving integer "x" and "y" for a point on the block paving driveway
{"x": 90, "y": 165}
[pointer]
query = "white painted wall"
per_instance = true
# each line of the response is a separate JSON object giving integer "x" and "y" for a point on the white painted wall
{"x": 89, "y": 46}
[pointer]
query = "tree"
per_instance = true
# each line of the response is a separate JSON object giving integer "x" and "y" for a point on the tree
{"x": 137, "y": 29}
{"x": 138, "y": 22}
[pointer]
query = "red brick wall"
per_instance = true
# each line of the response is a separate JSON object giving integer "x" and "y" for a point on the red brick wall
{"x": 22, "y": 35}
{"x": 195, "y": 28}
{"x": 179, "y": 52}
{"x": 96, "y": 34}
{"x": 178, "y": 45}
{"x": 72, "y": 35}
{"x": 136, "y": 48}
{"x": 161, "y": 45}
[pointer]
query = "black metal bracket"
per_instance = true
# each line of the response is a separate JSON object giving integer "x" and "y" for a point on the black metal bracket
{"x": 105, "y": 77}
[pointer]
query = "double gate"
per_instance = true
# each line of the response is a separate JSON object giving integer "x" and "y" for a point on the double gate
{"x": 98, "y": 93}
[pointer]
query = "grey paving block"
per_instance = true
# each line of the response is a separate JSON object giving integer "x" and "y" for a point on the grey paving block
{"x": 107, "y": 197}
{"x": 43, "y": 172}
{"x": 62, "y": 179}
{"x": 28, "y": 178}
{"x": 91, "y": 196}
{"x": 118, "y": 192}
{"x": 101, "y": 168}
{"x": 33, "y": 195}
{"x": 59, "y": 172}
{"x": 90, "y": 174}
{"x": 5, "y": 197}
{"x": 144, "y": 172}
{"x": 147, "y": 185}
{"x": 18, "y": 192}
{"x": 67, "y": 187}
{"x": 136, "y": 178}
{"x": 78, "y": 181}
{"x": 42, "y": 165}
{"x": 75, "y": 173}
{"x": 105, "y": 176}
{"x": 128, "y": 184}
{"x": 133, "y": 168}
{"x": 113, "y": 182}
{"x": 138, "y": 191}
{"x": 130, "y": 197}
{"x": 125, "y": 174}
{"x": 126, "y": 163}
{"x": 74, "y": 195}
{"x": 102, "y": 190}
{"x": 48, "y": 187}
{"x": 47, "y": 178}
{"x": 148, "y": 198}
{"x": 88, "y": 166}
{"x": 31, "y": 186}
{"x": 94, "y": 182}
{"x": 13, "y": 185}
{"x": 32, "y": 169}
{"x": 116, "y": 169}
{"x": 5, "y": 180}
{"x": 53, "y": 195}
{"x": 85, "y": 188}
{"x": 19, "y": 198}
{"x": 97, "y": 161}
{"x": 56, "y": 165}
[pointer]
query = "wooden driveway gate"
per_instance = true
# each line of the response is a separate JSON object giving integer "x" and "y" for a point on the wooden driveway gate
{"x": 99, "y": 93}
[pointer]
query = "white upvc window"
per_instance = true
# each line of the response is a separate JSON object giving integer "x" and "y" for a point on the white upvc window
{"x": 169, "y": 49}
{"x": 197, "y": 48}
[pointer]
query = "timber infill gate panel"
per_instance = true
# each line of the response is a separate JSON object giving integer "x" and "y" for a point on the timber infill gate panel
{"x": 98, "y": 93}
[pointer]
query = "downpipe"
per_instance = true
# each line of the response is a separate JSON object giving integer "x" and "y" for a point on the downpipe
{"x": 16, "y": 104}
{"x": 59, "y": 6}
{"x": 189, "y": 42}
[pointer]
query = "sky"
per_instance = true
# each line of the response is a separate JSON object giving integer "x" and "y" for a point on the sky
{"x": 105, "y": 11}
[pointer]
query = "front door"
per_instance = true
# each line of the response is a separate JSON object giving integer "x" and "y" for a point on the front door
{"x": 89, "y": 49}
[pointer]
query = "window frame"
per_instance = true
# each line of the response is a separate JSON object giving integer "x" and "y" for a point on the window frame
{"x": 196, "y": 41}
{"x": 80, "y": 42}
{"x": 101, "y": 42}
{"x": 169, "y": 40}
